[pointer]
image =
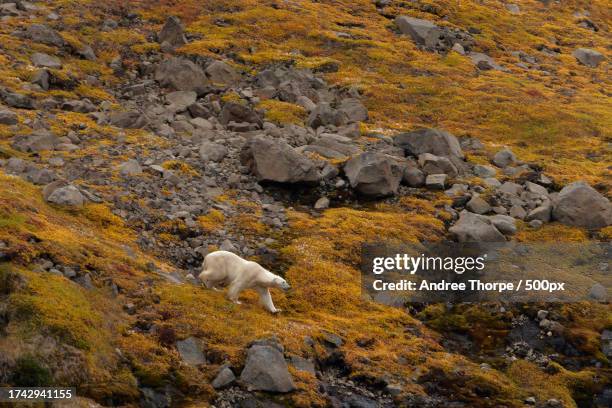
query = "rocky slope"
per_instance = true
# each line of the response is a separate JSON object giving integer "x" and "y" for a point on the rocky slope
{"x": 133, "y": 143}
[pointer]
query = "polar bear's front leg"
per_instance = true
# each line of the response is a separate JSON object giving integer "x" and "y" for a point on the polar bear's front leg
{"x": 265, "y": 299}
{"x": 234, "y": 292}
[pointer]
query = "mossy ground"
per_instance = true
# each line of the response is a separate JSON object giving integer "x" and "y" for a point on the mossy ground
{"x": 403, "y": 88}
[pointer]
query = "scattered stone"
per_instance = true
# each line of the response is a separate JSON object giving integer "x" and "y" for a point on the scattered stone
{"x": 484, "y": 63}
{"x": 224, "y": 378}
{"x": 36, "y": 142}
{"x": 504, "y": 223}
{"x": 322, "y": 203}
{"x": 478, "y": 206}
{"x": 475, "y": 228}
{"x": 8, "y": 117}
{"x": 302, "y": 364}
{"x": 491, "y": 182}
{"x": 513, "y": 8}
{"x": 68, "y": 195}
{"x": 432, "y": 164}
{"x": 535, "y": 224}
{"x": 504, "y": 158}
{"x": 43, "y": 34}
{"x": 172, "y": 33}
{"x": 598, "y": 292}
{"x": 413, "y": 177}
{"x": 265, "y": 369}
{"x": 130, "y": 168}
{"x": 128, "y": 120}
{"x": 210, "y": 151}
{"x": 236, "y": 112}
{"x": 374, "y": 174}
{"x": 190, "y": 351}
{"x": 580, "y": 205}
{"x": 436, "y": 181}
{"x": 484, "y": 171}
{"x": 430, "y": 36}
{"x": 516, "y": 211}
{"x": 542, "y": 213}
{"x": 588, "y": 57}
{"x": 40, "y": 59}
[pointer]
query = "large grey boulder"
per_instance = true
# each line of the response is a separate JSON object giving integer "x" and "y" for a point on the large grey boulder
{"x": 432, "y": 37}
{"x": 580, "y": 205}
{"x": 374, "y": 174}
{"x": 237, "y": 112}
{"x": 354, "y": 110}
{"x": 475, "y": 228}
{"x": 588, "y": 57}
{"x": 432, "y": 141}
{"x": 43, "y": 60}
{"x": 181, "y": 74}
{"x": 68, "y": 195}
{"x": 275, "y": 160}
{"x": 221, "y": 73}
{"x": 422, "y": 32}
{"x": 172, "y": 32}
{"x": 432, "y": 164}
{"x": 180, "y": 100}
{"x": 324, "y": 114}
{"x": 45, "y": 35}
{"x": 266, "y": 370}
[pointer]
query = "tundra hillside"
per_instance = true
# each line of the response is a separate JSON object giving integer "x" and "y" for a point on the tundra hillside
{"x": 137, "y": 137}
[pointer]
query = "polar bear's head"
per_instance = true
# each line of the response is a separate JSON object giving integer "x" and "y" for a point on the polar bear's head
{"x": 281, "y": 283}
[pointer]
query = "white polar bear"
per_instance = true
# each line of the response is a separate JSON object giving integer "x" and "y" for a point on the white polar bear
{"x": 222, "y": 268}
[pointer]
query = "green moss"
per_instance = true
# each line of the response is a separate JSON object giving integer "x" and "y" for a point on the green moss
{"x": 30, "y": 372}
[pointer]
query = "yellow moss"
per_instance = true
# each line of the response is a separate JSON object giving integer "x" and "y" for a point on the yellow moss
{"x": 181, "y": 167}
{"x": 211, "y": 221}
{"x": 283, "y": 112}
{"x": 232, "y": 97}
{"x": 65, "y": 309}
{"x": 553, "y": 232}
{"x": 152, "y": 363}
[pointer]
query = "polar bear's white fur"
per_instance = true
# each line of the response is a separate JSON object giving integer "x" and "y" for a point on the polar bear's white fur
{"x": 222, "y": 268}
